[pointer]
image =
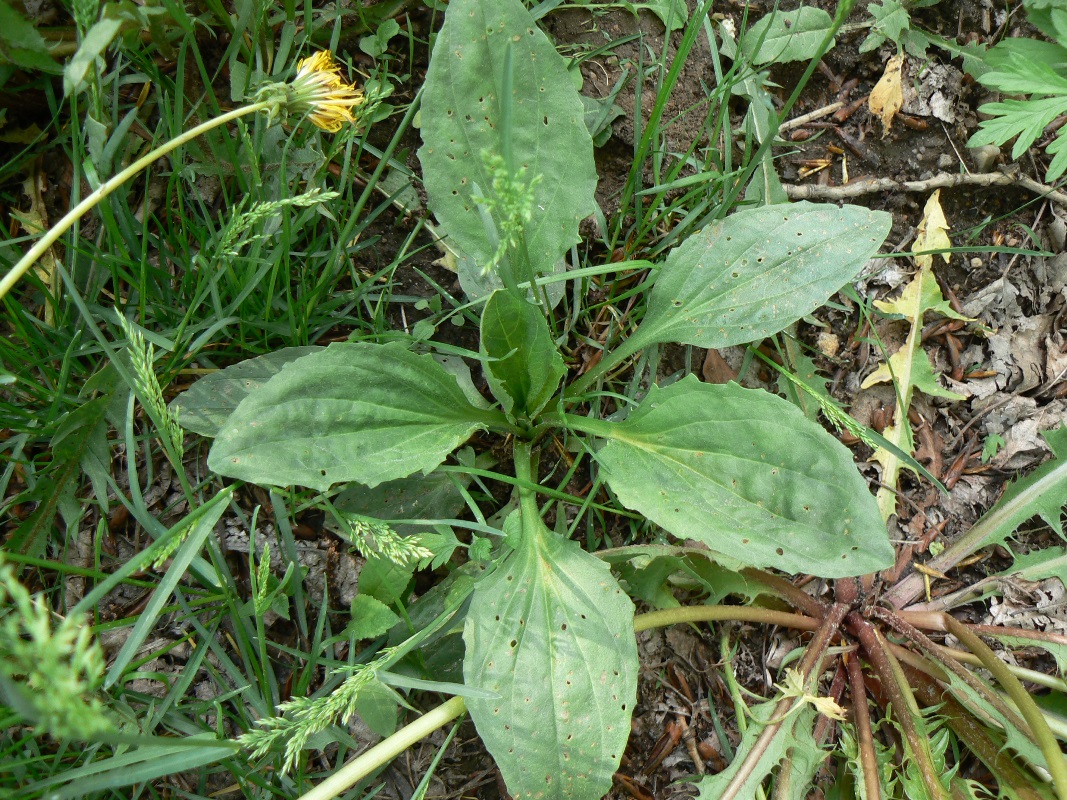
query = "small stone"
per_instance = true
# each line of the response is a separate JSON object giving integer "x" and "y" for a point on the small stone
{"x": 828, "y": 343}
{"x": 945, "y": 161}
{"x": 984, "y": 157}
{"x": 976, "y": 263}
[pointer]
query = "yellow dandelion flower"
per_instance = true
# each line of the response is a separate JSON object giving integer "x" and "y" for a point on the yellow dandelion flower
{"x": 319, "y": 91}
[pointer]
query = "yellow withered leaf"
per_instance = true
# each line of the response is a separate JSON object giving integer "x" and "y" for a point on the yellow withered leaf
{"x": 887, "y": 96}
{"x": 933, "y": 232}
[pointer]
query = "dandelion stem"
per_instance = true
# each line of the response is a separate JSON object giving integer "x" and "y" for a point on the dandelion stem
{"x": 110, "y": 185}
{"x": 386, "y": 750}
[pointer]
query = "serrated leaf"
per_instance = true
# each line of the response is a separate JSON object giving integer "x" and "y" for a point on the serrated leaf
{"x": 77, "y": 439}
{"x": 909, "y": 368}
{"x": 744, "y": 472}
{"x": 370, "y": 617}
{"x": 206, "y": 405}
{"x": 352, "y": 412}
{"x": 1025, "y": 119}
{"x": 462, "y": 117}
{"x": 891, "y": 20}
{"x": 1042, "y": 493}
{"x": 523, "y": 366}
{"x": 750, "y": 275}
{"x": 551, "y": 633}
{"x": 786, "y": 36}
{"x": 794, "y": 742}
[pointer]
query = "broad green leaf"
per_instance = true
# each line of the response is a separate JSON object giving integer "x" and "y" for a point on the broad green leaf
{"x": 523, "y": 365}
{"x": 378, "y": 706}
{"x": 433, "y": 496}
{"x": 383, "y": 579}
{"x": 551, "y": 633}
{"x": 96, "y": 41}
{"x": 757, "y": 271}
{"x": 744, "y": 472}
{"x": 672, "y": 13}
{"x": 786, "y": 36}
{"x": 463, "y": 118}
{"x": 353, "y": 412}
{"x": 206, "y": 405}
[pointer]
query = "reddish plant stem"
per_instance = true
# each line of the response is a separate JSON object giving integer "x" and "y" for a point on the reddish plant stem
{"x": 861, "y": 715}
{"x": 813, "y": 656}
{"x": 798, "y": 598}
{"x": 978, "y": 739}
{"x": 891, "y": 676}
{"x": 930, "y": 647}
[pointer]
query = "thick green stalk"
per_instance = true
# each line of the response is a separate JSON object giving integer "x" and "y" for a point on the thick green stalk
{"x": 386, "y": 750}
{"x": 110, "y": 185}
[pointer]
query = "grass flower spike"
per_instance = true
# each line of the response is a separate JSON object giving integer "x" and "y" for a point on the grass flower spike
{"x": 319, "y": 91}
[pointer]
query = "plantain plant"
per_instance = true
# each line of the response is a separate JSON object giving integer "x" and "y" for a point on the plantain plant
{"x": 550, "y": 663}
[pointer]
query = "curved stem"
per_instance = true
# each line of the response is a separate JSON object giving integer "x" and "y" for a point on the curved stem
{"x": 674, "y": 616}
{"x": 110, "y": 185}
{"x": 1050, "y": 748}
{"x": 386, "y": 750}
{"x": 907, "y": 712}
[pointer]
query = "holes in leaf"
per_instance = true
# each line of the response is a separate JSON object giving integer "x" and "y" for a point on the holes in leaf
{"x": 563, "y": 627}
{"x": 735, "y": 274}
{"x": 544, "y": 120}
{"x": 514, "y": 643}
{"x": 779, "y": 551}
